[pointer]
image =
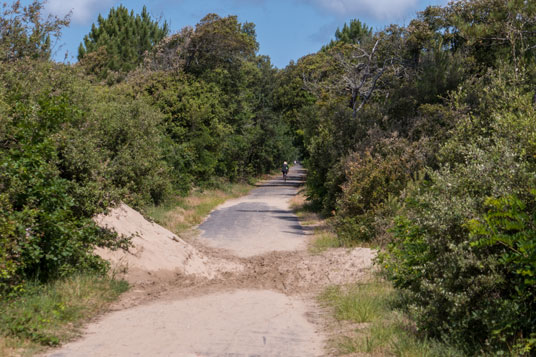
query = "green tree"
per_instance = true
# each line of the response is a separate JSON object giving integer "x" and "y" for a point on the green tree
{"x": 120, "y": 41}
{"x": 354, "y": 34}
{"x": 217, "y": 98}
{"x": 215, "y": 43}
{"x": 221, "y": 42}
{"x": 25, "y": 34}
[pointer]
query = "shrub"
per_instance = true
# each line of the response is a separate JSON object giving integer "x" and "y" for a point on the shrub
{"x": 43, "y": 233}
{"x": 373, "y": 181}
{"x": 118, "y": 143}
{"x": 507, "y": 231}
{"x": 449, "y": 255}
{"x": 68, "y": 151}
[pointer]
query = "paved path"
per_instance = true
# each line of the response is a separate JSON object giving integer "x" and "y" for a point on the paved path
{"x": 259, "y": 222}
{"x": 242, "y": 323}
{"x": 239, "y": 323}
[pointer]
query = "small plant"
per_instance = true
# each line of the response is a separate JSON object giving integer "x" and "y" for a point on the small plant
{"x": 359, "y": 303}
{"x": 377, "y": 326}
{"x": 50, "y": 314}
{"x": 323, "y": 240}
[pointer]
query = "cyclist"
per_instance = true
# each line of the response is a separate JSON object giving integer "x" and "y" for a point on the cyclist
{"x": 285, "y": 169}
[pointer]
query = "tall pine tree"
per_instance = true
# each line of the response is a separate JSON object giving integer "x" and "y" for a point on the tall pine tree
{"x": 117, "y": 43}
{"x": 355, "y": 33}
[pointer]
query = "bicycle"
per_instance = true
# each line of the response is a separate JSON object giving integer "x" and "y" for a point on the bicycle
{"x": 284, "y": 170}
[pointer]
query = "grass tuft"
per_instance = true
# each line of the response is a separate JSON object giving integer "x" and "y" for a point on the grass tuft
{"x": 377, "y": 327}
{"x": 46, "y": 315}
{"x": 359, "y": 303}
{"x": 303, "y": 210}
{"x": 323, "y": 240}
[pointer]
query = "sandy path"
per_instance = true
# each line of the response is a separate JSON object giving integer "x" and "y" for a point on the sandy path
{"x": 239, "y": 323}
{"x": 264, "y": 310}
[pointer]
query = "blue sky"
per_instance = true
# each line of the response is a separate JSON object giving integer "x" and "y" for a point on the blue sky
{"x": 286, "y": 29}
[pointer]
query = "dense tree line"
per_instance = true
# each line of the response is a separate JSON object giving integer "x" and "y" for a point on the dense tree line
{"x": 420, "y": 139}
{"x": 138, "y": 119}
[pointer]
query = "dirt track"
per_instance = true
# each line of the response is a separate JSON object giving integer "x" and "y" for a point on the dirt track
{"x": 265, "y": 309}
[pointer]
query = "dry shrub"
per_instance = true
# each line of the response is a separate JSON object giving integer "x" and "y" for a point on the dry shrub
{"x": 374, "y": 180}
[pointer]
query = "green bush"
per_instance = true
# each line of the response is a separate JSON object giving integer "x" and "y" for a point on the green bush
{"x": 43, "y": 233}
{"x": 449, "y": 255}
{"x": 68, "y": 151}
{"x": 373, "y": 181}
{"x": 118, "y": 143}
{"x": 331, "y": 134}
{"x": 507, "y": 231}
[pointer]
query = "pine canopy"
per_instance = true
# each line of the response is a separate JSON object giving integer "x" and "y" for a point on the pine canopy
{"x": 124, "y": 37}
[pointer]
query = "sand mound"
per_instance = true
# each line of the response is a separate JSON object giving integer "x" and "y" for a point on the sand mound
{"x": 155, "y": 248}
{"x": 294, "y": 272}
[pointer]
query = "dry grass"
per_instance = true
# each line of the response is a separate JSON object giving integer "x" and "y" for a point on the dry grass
{"x": 302, "y": 209}
{"x": 183, "y": 213}
{"x": 323, "y": 240}
{"x": 47, "y": 315}
{"x": 8, "y": 347}
{"x": 323, "y": 237}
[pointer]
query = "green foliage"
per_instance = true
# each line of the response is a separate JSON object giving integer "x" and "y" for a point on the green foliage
{"x": 507, "y": 231}
{"x": 43, "y": 232}
{"x": 46, "y": 314}
{"x": 327, "y": 141}
{"x": 128, "y": 134}
{"x": 217, "y": 44}
{"x": 289, "y": 97}
{"x": 367, "y": 94}
{"x": 23, "y": 32}
{"x": 67, "y": 155}
{"x": 373, "y": 181}
{"x": 222, "y": 43}
{"x": 491, "y": 30}
{"x": 118, "y": 43}
{"x": 47, "y": 227}
{"x": 450, "y": 253}
{"x": 355, "y": 33}
{"x": 216, "y": 96}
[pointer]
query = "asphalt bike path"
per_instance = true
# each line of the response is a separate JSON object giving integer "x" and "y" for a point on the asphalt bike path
{"x": 238, "y": 322}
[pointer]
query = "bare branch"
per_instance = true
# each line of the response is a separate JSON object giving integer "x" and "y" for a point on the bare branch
{"x": 360, "y": 72}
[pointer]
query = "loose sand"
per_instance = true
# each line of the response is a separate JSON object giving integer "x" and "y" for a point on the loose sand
{"x": 155, "y": 249}
{"x": 244, "y": 287}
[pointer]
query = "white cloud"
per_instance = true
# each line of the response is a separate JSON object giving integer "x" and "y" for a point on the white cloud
{"x": 378, "y": 9}
{"x": 83, "y": 11}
